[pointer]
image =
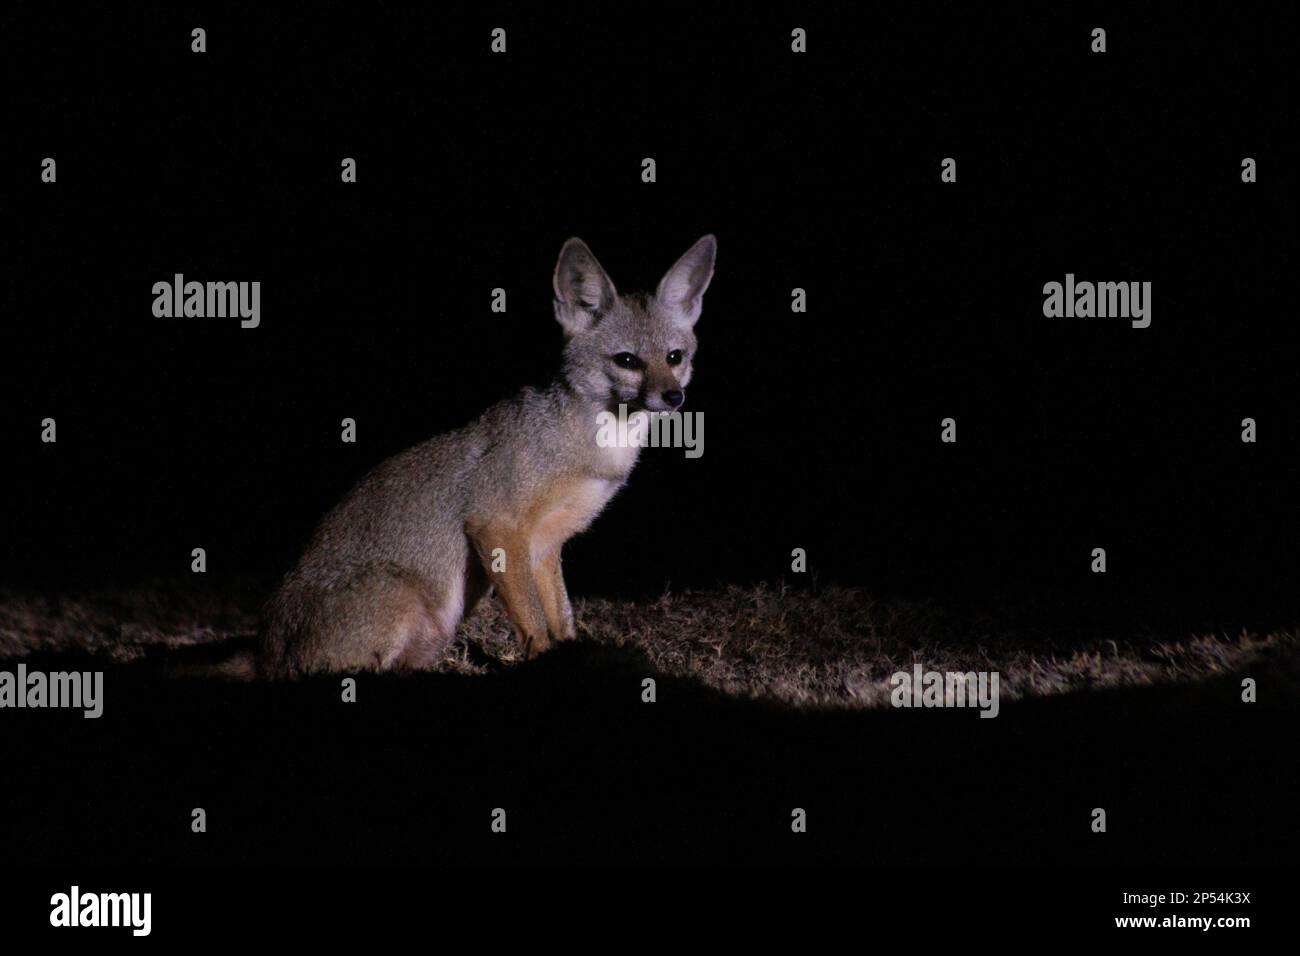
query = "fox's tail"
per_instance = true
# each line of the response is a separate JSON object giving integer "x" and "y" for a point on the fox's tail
{"x": 235, "y": 660}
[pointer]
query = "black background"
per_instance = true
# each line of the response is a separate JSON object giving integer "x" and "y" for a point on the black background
{"x": 818, "y": 171}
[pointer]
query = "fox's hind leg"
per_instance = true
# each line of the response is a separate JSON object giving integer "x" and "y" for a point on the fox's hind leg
{"x": 382, "y": 618}
{"x": 426, "y": 646}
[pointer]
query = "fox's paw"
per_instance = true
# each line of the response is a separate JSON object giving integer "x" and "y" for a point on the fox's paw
{"x": 538, "y": 644}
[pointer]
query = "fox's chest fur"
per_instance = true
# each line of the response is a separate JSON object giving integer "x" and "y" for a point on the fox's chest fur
{"x": 569, "y": 505}
{"x": 567, "y": 510}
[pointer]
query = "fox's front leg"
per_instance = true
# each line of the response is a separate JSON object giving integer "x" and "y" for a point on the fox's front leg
{"x": 505, "y": 555}
{"x": 555, "y": 598}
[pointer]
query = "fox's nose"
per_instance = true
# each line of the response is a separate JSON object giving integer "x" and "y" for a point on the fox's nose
{"x": 674, "y": 397}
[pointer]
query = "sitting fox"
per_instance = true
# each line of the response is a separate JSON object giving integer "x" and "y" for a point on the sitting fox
{"x": 392, "y": 569}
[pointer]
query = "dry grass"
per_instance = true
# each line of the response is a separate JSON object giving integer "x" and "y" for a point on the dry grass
{"x": 830, "y": 647}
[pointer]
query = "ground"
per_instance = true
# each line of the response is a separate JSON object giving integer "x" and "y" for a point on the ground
{"x": 768, "y": 700}
{"x": 827, "y": 647}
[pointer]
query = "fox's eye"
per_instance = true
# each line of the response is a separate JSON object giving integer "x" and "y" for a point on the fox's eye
{"x": 628, "y": 360}
{"x": 675, "y": 357}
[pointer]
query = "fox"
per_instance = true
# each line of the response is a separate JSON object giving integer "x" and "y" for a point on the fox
{"x": 393, "y": 568}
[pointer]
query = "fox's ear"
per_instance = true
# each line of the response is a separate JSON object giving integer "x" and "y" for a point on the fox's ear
{"x": 583, "y": 291}
{"x": 681, "y": 290}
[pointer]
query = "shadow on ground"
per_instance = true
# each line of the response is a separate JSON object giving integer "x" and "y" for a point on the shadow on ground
{"x": 589, "y": 773}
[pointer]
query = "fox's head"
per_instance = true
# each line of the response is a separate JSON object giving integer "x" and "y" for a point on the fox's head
{"x": 632, "y": 349}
